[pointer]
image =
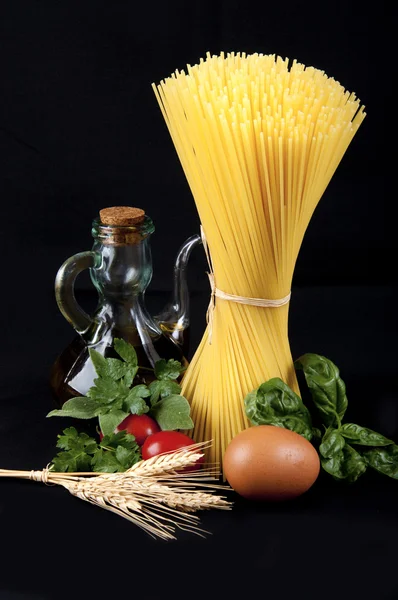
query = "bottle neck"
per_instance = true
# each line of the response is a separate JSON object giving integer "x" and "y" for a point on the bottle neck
{"x": 122, "y": 271}
{"x": 127, "y": 318}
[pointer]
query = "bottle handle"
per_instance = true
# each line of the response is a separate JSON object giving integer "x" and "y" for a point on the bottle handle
{"x": 64, "y": 289}
{"x": 175, "y": 315}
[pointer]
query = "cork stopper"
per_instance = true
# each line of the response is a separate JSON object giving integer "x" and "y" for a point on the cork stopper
{"x": 121, "y": 215}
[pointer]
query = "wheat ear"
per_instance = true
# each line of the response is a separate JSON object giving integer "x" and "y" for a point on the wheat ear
{"x": 153, "y": 494}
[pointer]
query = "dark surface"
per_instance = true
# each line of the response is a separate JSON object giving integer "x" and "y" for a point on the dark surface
{"x": 80, "y": 129}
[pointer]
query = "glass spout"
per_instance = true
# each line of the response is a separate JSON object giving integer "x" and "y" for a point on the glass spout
{"x": 174, "y": 318}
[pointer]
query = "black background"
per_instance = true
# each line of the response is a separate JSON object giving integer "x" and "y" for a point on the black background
{"x": 80, "y": 129}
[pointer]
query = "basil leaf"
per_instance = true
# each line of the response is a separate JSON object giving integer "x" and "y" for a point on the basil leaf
{"x": 333, "y": 465}
{"x": 172, "y": 412}
{"x": 354, "y": 465}
{"x": 363, "y": 436}
{"x": 346, "y": 464}
{"x": 293, "y": 423}
{"x": 78, "y": 408}
{"x": 384, "y": 460}
{"x": 316, "y": 433}
{"x": 274, "y": 403}
{"x": 332, "y": 443}
{"x": 252, "y": 412}
{"x": 111, "y": 420}
{"x": 327, "y": 389}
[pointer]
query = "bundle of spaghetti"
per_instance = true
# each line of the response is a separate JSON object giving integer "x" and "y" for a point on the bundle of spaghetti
{"x": 258, "y": 139}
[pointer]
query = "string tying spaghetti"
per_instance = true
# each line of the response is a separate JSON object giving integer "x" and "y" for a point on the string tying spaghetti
{"x": 217, "y": 293}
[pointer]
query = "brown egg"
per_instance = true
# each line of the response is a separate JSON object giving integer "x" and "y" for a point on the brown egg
{"x": 266, "y": 462}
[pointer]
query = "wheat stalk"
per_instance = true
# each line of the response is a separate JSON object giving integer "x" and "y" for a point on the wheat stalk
{"x": 153, "y": 494}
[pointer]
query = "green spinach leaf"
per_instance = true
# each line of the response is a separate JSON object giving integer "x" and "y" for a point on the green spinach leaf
{"x": 384, "y": 460}
{"x": 354, "y": 464}
{"x": 327, "y": 389}
{"x": 363, "y": 436}
{"x": 346, "y": 464}
{"x": 274, "y": 403}
{"x": 333, "y": 465}
{"x": 332, "y": 443}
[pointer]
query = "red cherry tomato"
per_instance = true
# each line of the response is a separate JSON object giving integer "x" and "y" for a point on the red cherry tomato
{"x": 166, "y": 442}
{"x": 140, "y": 426}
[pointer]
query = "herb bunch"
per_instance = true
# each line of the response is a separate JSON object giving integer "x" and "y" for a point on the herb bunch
{"x": 115, "y": 453}
{"x": 346, "y": 449}
{"x": 111, "y": 399}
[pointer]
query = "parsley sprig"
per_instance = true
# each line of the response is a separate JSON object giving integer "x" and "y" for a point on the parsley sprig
{"x": 113, "y": 397}
{"x": 115, "y": 453}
